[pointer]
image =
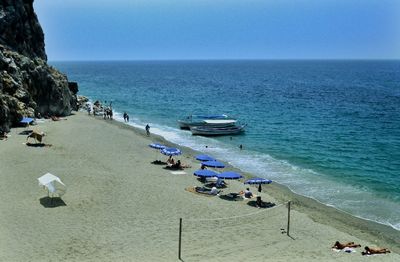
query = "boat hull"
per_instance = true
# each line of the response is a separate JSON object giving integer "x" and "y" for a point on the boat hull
{"x": 188, "y": 124}
{"x": 216, "y": 131}
{"x": 183, "y": 124}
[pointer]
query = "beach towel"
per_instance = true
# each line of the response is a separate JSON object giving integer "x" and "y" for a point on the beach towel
{"x": 178, "y": 172}
{"x": 346, "y": 250}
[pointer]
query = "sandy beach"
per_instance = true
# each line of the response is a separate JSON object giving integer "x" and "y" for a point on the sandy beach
{"x": 121, "y": 207}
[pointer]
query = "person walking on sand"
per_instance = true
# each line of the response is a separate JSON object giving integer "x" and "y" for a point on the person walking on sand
{"x": 127, "y": 118}
{"x": 147, "y": 130}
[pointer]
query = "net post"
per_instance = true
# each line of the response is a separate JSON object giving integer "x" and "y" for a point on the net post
{"x": 180, "y": 238}
{"x": 288, "y": 219}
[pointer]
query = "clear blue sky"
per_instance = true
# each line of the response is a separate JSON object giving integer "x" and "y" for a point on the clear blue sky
{"x": 220, "y": 29}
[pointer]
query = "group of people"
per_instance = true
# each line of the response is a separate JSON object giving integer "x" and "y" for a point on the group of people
{"x": 126, "y": 120}
{"x": 175, "y": 165}
{"x": 108, "y": 113}
{"x": 367, "y": 250}
{"x": 98, "y": 107}
{"x": 247, "y": 194}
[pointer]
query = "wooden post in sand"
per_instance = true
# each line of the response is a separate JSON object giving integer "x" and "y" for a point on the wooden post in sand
{"x": 288, "y": 218}
{"x": 180, "y": 238}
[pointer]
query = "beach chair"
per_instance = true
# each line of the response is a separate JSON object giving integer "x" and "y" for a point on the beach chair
{"x": 220, "y": 183}
{"x": 211, "y": 179}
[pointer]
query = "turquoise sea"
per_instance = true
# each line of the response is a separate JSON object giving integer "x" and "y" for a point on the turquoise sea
{"x": 329, "y": 130}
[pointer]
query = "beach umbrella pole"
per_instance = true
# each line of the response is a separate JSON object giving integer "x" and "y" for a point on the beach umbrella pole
{"x": 180, "y": 238}
{"x": 288, "y": 219}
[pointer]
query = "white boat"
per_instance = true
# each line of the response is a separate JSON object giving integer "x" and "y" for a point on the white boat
{"x": 199, "y": 120}
{"x": 217, "y": 131}
{"x": 217, "y": 123}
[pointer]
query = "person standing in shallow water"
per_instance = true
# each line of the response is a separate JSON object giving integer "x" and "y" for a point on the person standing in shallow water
{"x": 126, "y": 117}
{"x": 147, "y": 130}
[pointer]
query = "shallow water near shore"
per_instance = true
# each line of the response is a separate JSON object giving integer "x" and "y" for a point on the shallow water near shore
{"x": 329, "y": 130}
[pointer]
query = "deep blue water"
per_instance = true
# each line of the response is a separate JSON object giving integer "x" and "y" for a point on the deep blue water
{"x": 326, "y": 129}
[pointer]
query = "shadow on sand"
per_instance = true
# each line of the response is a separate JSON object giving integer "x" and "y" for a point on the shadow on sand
{"x": 158, "y": 162}
{"x": 51, "y": 202}
{"x": 253, "y": 203}
{"x": 25, "y": 132}
{"x": 212, "y": 184}
{"x": 38, "y": 144}
{"x": 230, "y": 197}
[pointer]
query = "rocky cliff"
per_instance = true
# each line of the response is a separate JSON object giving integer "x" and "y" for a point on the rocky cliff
{"x": 28, "y": 85}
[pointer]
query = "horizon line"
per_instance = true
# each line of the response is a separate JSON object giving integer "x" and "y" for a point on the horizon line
{"x": 229, "y": 59}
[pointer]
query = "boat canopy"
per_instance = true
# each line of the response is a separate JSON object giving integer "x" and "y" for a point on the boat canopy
{"x": 219, "y": 121}
{"x": 223, "y": 116}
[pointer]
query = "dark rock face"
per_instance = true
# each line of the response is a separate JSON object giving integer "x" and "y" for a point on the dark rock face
{"x": 73, "y": 87}
{"x": 28, "y": 86}
{"x": 20, "y": 29}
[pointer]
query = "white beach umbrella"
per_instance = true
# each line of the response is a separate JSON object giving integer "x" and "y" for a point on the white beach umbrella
{"x": 53, "y": 184}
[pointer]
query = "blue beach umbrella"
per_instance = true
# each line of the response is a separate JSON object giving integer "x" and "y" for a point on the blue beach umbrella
{"x": 170, "y": 151}
{"x": 229, "y": 175}
{"x": 157, "y": 146}
{"x": 26, "y": 120}
{"x": 226, "y": 175}
{"x": 213, "y": 163}
{"x": 258, "y": 181}
{"x": 205, "y": 158}
{"x": 203, "y": 173}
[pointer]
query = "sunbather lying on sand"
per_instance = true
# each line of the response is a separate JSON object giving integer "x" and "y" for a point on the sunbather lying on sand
{"x": 203, "y": 190}
{"x": 339, "y": 245}
{"x": 372, "y": 251}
